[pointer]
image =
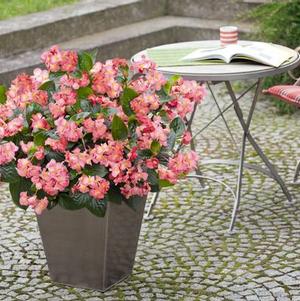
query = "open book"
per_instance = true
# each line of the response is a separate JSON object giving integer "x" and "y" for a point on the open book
{"x": 264, "y": 53}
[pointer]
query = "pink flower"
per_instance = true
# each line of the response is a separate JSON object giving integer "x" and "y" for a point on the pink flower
{"x": 14, "y": 126}
{"x": 27, "y": 170}
{"x": 52, "y": 59}
{"x": 54, "y": 178}
{"x": 65, "y": 97}
{"x": 73, "y": 82}
{"x": 183, "y": 163}
{"x": 40, "y": 76}
{"x": 152, "y": 163}
{"x": 104, "y": 81}
{"x": 96, "y": 186}
{"x": 26, "y": 147}
{"x": 96, "y": 127}
{"x": 59, "y": 145}
{"x": 187, "y": 138}
{"x": 33, "y": 202}
{"x": 189, "y": 89}
{"x": 56, "y": 59}
{"x": 40, "y": 153}
{"x": 38, "y": 121}
{"x": 21, "y": 90}
{"x": 77, "y": 159}
{"x": 143, "y": 65}
{"x": 41, "y": 206}
{"x": 151, "y": 130}
{"x": 68, "y": 130}
{"x": 155, "y": 79}
{"x": 69, "y": 61}
{"x": 40, "y": 97}
{"x": 107, "y": 153}
{"x": 145, "y": 103}
{"x": 7, "y": 152}
{"x": 166, "y": 174}
{"x": 56, "y": 110}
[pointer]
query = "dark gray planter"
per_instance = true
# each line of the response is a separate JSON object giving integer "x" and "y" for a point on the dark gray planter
{"x": 86, "y": 251}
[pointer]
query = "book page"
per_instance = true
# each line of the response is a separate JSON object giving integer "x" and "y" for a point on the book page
{"x": 264, "y": 53}
{"x": 224, "y": 53}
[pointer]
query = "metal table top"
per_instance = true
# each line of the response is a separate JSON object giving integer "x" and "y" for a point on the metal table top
{"x": 224, "y": 72}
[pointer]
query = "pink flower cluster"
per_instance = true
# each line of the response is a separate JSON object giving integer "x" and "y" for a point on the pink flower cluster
{"x": 39, "y": 205}
{"x": 7, "y": 152}
{"x": 59, "y": 60}
{"x": 95, "y": 186}
{"x": 90, "y": 122}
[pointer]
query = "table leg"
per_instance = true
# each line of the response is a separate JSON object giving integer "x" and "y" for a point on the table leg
{"x": 193, "y": 147}
{"x": 223, "y": 117}
{"x": 247, "y": 136}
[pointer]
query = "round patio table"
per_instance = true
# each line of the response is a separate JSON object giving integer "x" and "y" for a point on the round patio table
{"x": 225, "y": 73}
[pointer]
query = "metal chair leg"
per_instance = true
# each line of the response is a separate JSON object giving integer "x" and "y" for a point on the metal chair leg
{"x": 239, "y": 185}
{"x": 297, "y": 170}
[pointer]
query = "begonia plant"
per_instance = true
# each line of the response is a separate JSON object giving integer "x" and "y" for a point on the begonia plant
{"x": 81, "y": 133}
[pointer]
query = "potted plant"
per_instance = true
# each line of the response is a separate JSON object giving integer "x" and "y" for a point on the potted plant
{"x": 89, "y": 141}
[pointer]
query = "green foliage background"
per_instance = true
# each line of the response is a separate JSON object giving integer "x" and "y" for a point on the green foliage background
{"x": 278, "y": 22}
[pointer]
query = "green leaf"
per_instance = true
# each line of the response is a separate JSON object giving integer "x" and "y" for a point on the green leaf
{"x": 171, "y": 140}
{"x": 85, "y": 105}
{"x": 145, "y": 153}
{"x": 163, "y": 96}
{"x": 152, "y": 176}
{"x": 2, "y": 94}
{"x": 76, "y": 74}
{"x": 170, "y": 83}
{"x": 58, "y": 157}
{"x": 155, "y": 147}
{"x": 8, "y": 173}
{"x": 95, "y": 170}
{"x": 134, "y": 202}
{"x": 127, "y": 96}
{"x": 81, "y": 198}
{"x": 114, "y": 195}
{"x": 78, "y": 118}
{"x": 93, "y": 53}
{"x": 47, "y": 86}
{"x": 97, "y": 207}
{"x": 40, "y": 137}
{"x": 178, "y": 126}
{"x": 67, "y": 202}
{"x": 31, "y": 109}
{"x": 17, "y": 187}
{"x": 85, "y": 61}
{"x": 119, "y": 129}
{"x": 84, "y": 92}
{"x": 56, "y": 75}
{"x": 165, "y": 183}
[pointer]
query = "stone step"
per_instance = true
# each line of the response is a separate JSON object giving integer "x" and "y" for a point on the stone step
{"x": 125, "y": 41}
{"x": 42, "y": 29}
{"x": 212, "y": 9}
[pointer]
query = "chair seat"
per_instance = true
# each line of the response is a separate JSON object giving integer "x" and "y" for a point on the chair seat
{"x": 288, "y": 93}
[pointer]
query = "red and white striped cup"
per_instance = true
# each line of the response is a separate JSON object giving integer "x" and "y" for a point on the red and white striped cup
{"x": 228, "y": 35}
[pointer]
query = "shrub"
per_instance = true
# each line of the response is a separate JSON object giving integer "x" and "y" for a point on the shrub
{"x": 278, "y": 22}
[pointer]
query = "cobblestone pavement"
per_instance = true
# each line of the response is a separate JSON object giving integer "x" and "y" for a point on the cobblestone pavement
{"x": 185, "y": 252}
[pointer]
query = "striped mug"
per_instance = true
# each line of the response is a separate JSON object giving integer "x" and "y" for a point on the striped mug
{"x": 228, "y": 35}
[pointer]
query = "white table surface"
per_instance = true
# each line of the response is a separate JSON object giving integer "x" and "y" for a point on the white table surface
{"x": 224, "y": 72}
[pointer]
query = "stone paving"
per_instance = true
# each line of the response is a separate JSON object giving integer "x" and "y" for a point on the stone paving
{"x": 185, "y": 252}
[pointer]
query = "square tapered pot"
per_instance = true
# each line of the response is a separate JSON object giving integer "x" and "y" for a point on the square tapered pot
{"x": 87, "y": 251}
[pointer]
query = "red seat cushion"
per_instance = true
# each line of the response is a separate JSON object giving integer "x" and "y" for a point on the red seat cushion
{"x": 288, "y": 93}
